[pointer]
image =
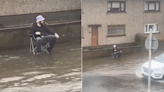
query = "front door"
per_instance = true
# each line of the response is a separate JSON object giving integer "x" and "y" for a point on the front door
{"x": 94, "y": 36}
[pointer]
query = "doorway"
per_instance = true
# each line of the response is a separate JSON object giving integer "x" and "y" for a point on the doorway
{"x": 94, "y": 40}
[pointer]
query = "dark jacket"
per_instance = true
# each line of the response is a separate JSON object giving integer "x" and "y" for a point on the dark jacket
{"x": 115, "y": 49}
{"x": 43, "y": 30}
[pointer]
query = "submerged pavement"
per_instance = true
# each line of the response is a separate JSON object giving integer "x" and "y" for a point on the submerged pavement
{"x": 118, "y": 75}
{"x": 21, "y": 71}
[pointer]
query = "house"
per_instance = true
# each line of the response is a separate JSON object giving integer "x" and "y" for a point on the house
{"x": 107, "y": 22}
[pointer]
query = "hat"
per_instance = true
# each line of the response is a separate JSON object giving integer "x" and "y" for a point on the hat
{"x": 114, "y": 46}
{"x": 39, "y": 18}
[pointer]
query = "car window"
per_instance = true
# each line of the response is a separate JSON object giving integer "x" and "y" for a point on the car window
{"x": 160, "y": 58}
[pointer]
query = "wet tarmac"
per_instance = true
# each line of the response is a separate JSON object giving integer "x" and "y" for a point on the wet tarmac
{"x": 21, "y": 71}
{"x": 118, "y": 75}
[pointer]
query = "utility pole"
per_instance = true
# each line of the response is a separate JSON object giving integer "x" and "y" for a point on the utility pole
{"x": 150, "y": 54}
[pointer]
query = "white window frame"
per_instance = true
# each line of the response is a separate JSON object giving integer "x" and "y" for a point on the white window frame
{"x": 154, "y": 30}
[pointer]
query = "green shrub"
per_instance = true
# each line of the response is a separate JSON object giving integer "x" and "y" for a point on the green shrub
{"x": 140, "y": 39}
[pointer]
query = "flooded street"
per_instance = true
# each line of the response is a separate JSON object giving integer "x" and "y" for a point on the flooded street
{"x": 21, "y": 71}
{"x": 118, "y": 75}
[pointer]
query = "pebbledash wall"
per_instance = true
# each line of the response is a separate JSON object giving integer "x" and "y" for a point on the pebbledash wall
{"x": 15, "y": 7}
{"x": 16, "y": 12}
{"x": 134, "y": 19}
{"x": 16, "y": 16}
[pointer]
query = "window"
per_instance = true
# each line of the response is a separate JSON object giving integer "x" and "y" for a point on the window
{"x": 152, "y": 6}
{"x": 116, "y": 30}
{"x": 154, "y": 27}
{"x": 116, "y": 6}
{"x": 160, "y": 58}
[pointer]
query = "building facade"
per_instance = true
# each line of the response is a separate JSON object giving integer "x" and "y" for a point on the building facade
{"x": 107, "y": 22}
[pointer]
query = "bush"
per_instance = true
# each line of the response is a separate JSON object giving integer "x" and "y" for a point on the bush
{"x": 140, "y": 39}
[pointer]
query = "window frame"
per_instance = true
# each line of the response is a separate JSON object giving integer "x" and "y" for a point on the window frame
{"x": 124, "y": 2}
{"x": 115, "y": 27}
{"x": 153, "y": 31}
{"x": 155, "y": 2}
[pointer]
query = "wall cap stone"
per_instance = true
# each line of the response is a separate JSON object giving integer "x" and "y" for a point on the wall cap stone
{"x": 29, "y": 25}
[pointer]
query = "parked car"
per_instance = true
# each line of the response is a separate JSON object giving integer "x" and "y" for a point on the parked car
{"x": 157, "y": 68}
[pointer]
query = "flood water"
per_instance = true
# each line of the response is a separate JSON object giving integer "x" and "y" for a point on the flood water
{"x": 118, "y": 75}
{"x": 21, "y": 71}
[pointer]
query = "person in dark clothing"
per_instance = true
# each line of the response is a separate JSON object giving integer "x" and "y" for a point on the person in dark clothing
{"x": 42, "y": 34}
{"x": 116, "y": 52}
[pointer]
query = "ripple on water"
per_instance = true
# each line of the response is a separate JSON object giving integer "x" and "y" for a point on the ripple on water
{"x": 9, "y": 79}
{"x": 43, "y": 76}
{"x": 31, "y": 73}
{"x": 11, "y": 57}
{"x": 71, "y": 74}
{"x": 57, "y": 87}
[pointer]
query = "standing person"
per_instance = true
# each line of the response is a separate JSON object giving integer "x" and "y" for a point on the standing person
{"x": 42, "y": 34}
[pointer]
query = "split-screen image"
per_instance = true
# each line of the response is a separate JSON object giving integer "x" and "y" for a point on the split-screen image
{"x": 82, "y": 46}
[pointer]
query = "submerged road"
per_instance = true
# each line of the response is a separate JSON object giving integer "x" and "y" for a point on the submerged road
{"x": 21, "y": 71}
{"x": 118, "y": 75}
